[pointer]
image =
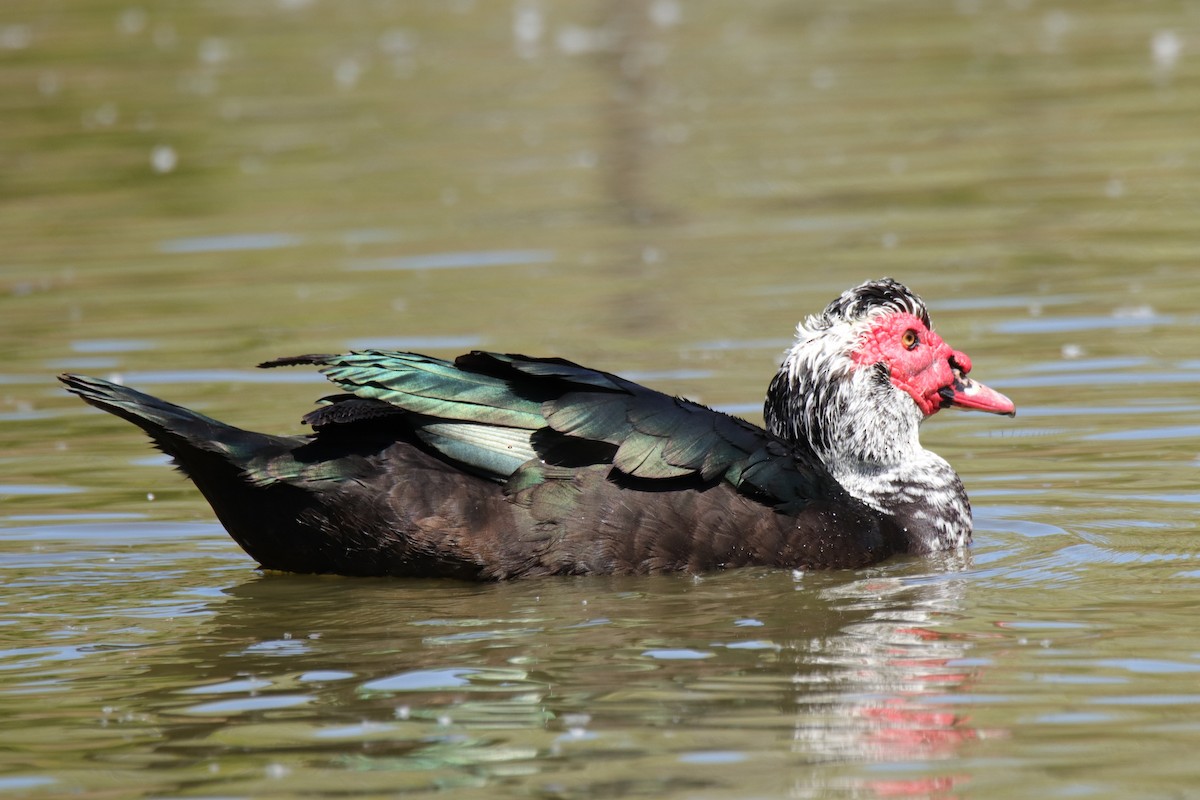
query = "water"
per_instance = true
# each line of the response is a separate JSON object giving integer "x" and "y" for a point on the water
{"x": 659, "y": 189}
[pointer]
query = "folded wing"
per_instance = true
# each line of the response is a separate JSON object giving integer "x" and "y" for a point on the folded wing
{"x": 510, "y": 417}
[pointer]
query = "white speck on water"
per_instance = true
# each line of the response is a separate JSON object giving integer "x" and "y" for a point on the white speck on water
{"x": 15, "y": 37}
{"x": 1055, "y": 26}
{"x": 1166, "y": 47}
{"x": 347, "y": 73}
{"x": 576, "y": 40}
{"x": 822, "y": 78}
{"x": 396, "y": 42}
{"x": 131, "y": 21}
{"x": 49, "y": 84}
{"x": 666, "y": 13}
{"x": 1071, "y": 350}
{"x": 150, "y": 496}
{"x": 399, "y": 46}
{"x": 277, "y": 771}
{"x": 1114, "y": 188}
{"x": 585, "y": 159}
{"x": 214, "y": 50}
{"x": 164, "y": 159}
{"x": 528, "y": 26}
{"x": 103, "y": 117}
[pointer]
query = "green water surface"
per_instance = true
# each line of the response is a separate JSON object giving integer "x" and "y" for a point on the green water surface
{"x": 660, "y": 189}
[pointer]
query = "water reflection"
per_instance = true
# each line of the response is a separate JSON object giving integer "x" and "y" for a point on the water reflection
{"x": 586, "y": 683}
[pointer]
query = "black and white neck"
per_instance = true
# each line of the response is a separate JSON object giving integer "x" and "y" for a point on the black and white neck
{"x": 837, "y": 391}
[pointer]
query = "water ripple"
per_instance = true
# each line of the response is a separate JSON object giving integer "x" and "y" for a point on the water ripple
{"x": 460, "y": 260}
{"x": 231, "y": 243}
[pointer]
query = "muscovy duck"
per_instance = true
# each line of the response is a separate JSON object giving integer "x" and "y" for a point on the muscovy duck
{"x": 499, "y": 466}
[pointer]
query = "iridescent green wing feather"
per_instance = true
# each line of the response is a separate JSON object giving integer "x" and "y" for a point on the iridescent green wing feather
{"x": 657, "y": 436}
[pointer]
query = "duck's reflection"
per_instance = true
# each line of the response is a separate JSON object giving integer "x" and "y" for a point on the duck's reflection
{"x": 756, "y": 680}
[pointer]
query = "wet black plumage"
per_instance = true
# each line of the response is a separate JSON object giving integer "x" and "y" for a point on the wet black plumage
{"x": 501, "y": 466}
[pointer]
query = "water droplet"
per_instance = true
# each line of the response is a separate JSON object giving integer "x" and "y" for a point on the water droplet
{"x": 49, "y": 84}
{"x": 104, "y": 117}
{"x": 1166, "y": 47}
{"x": 131, "y": 21}
{"x": 277, "y": 771}
{"x": 164, "y": 159}
{"x": 214, "y": 50}
{"x": 1055, "y": 26}
{"x": 396, "y": 42}
{"x": 822, "y": 78}
{"x": 15, "y": 37}
{"x": 527, "y": 28}
{"x": 347, "y": 73}
{"x": 666, "y": 13}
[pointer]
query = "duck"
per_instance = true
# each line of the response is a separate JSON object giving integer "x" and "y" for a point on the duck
{"x": 497, "y": 466}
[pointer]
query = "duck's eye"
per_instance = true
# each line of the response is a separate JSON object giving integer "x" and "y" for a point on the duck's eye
{"x": 910, "y": 339}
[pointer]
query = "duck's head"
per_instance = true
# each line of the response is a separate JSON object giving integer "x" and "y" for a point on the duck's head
{"x": 871, "y": 363}
{"x": 887, "y": 328}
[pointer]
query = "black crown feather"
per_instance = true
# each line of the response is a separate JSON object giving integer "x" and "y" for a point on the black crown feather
{"x": 885, "y": 293}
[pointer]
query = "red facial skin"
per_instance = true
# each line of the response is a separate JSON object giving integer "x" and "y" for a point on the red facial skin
{"x": 920, "y": 363}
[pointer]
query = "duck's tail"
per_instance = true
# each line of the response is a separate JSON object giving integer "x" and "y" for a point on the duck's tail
{"x": 229, "y": 465}
{"x": 177, "y": 431}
